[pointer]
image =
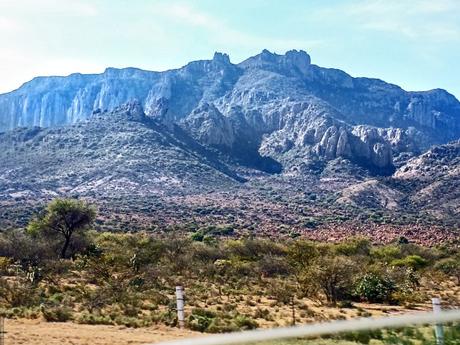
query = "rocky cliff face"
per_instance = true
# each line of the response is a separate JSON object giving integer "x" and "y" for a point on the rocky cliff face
{"x": 282, "y": 106}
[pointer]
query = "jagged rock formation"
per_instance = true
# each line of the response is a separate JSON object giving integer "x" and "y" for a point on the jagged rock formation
{"x": 208, "y": 125}
{"x": 281, "y": 105}
{"x": 141, "y": 172}
{"x": 274, "y": 142}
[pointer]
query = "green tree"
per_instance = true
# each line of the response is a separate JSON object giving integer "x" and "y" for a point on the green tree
{"x": 63, "y": 218}
{"x": 331, "y": 275}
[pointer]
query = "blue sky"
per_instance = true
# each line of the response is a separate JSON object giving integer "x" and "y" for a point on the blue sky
{"x": 412, "y": 43}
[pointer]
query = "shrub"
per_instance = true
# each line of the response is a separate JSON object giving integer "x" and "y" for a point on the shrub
{"x": 332, "y": 275}
{"x": 345, "y": 304}
{"x": 92, "y": 319}
{"x": 263, "y": 314}
{"x": 131, "y": 322}
{"x": 56, "y": 314}
{"x": 271, "y": 266}
{"x": 200, "y": 319}
{"x": 412, "y": 261}
{"x": 17, "y": 294}
{"x": 374, "y": 288}
{"x": 244, "y": 322}
{"x": 221, "y": 326}
{"x": 4, "y": 264}
{"x": 168, "y": 317}
{"x": 362, "y": 337}
{"x": 356, "y": 246}
{"x": 450, "y": 267}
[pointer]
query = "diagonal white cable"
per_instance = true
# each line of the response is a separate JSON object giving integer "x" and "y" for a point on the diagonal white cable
{"x": 320, "y": 329}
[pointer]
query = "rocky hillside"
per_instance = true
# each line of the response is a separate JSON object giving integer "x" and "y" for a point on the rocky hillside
{"x": 143, "y": 174}
{"x": 122, "y": 152}
{"x": 279, "y": 105}
{"x": 274, "y": 144}
{"x": 434, "y": 180}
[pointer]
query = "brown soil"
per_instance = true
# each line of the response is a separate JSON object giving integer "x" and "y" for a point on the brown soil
{"x": 39, "y": 332}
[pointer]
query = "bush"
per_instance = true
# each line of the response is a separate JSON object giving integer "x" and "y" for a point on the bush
{"x": 17, "y": 294}
{"x": 244, "y": 322}
{"x": 220, "y": 326}
{"x": 20, "y": 312}
{"x": 450, "y": 267}
{"x": 4, "y": 264}
{"x": 356, "y": 246}
{"x": 331, "y": 275}
{"x": 91, "y": 319}
{"x": 57, "y": 314}
{"x": 200, "y": 320}
{"x": 362, "y": 337}
{"x": 263, "y": 314}
{"x": 132, "y": 322}
{"x": 374, "y": 288}
{"x": 414, "y": 262}
{"x": 271, "y": 266}
{"x": 345, "y": 304}
{"x": 168, "y": 317}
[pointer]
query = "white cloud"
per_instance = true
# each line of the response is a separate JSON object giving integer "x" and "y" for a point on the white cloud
{"x": 437, "y": 6}
{"x": 416, "y": 19}
{"x": 187, "y": 14}
{"x": 221, "y": 32}
{"x": 61, "y": 7}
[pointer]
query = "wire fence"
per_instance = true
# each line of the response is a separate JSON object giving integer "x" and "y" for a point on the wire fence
{"x": 326, "y": 328}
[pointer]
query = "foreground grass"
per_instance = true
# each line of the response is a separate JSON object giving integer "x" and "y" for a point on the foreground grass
{"x": 231, "y": 284}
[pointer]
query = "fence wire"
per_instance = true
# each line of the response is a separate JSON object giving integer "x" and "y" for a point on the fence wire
{"x": 320, "y": 329}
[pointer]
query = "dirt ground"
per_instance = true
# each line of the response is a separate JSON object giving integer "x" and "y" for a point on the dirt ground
{"x": 38, "y": 332}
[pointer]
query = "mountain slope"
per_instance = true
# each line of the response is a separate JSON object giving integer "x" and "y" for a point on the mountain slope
{"x": 282, "y": 105}
{"x": 273, "y": 145}
{"x": 434, "y": 180}
{"x": 120, "y": 152}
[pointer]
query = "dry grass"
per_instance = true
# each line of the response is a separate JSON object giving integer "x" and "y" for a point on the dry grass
{"x": 39, "y": 332}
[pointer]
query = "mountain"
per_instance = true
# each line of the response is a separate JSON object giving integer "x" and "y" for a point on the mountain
{"x": 123, "y": 151}
{"x": 280, "y": 105}
{"x": 311, "y": 147}
{"x": 434, "y": 179}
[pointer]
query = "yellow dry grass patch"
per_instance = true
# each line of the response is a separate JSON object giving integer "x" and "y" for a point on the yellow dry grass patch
{"x": 39, "y": 332}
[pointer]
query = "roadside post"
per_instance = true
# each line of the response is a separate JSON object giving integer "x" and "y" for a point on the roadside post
{"x": 439, "y": 332}
{"x": 180, "y": 306}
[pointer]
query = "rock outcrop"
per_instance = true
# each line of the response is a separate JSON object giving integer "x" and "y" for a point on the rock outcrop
{"x": 207, "y": 124}
{"x": 282, "y": 106}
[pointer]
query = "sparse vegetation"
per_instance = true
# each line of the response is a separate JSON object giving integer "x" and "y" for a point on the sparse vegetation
{"x": 230, "y": 283}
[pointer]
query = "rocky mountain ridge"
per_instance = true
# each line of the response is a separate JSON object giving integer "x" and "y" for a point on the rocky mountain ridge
{"x": 280, "y": 105}
{"x": 274, "y": 144}
{"x": 144, "y": 174}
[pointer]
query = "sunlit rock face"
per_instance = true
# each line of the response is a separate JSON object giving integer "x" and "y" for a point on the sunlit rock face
{"x": 279, "y": 106}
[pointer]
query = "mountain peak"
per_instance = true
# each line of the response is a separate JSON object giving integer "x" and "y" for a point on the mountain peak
{"x": 292, "y": 58}
{"x": 221, "y": 58}
{"x": 298, "y": 56}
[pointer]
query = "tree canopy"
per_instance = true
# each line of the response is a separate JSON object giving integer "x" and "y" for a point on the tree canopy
{"x": 63, "y": 218}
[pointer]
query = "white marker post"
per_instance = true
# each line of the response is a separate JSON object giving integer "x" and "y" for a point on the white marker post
{"x": 438, "y": 327}
{"x": 180, "y": 306}
{"x": 2, "y": 330}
